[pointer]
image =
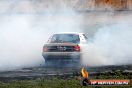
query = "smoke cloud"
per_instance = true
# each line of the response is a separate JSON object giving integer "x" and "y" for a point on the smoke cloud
{"x": 111, "y": 45}
{"x": 22, "y": 35}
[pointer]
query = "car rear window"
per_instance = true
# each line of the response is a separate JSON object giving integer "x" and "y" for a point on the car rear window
{"x": 63, "y": 38}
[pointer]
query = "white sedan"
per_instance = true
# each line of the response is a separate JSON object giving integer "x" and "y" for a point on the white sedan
{"x": 64, "y": 47}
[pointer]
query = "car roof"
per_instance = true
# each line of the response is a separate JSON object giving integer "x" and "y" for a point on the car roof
{"x": 78, "y": 33}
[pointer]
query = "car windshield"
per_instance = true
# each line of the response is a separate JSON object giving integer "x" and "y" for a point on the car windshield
{"x": 62, "y": 38}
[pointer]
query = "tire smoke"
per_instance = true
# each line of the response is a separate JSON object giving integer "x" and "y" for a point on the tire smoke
{"x": 22, "y": 36}
{"x": 111, "y": 45}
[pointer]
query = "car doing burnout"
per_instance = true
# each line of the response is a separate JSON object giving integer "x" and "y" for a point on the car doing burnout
{"x": 64, "y": 47}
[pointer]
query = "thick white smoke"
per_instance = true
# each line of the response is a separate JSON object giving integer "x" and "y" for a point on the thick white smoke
{"x": 19, "y": 43}
{"x": 22, "y": 36}
{"x": 111, "y": 45}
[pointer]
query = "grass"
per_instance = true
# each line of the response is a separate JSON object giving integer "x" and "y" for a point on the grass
{"x": 62, "y": 82}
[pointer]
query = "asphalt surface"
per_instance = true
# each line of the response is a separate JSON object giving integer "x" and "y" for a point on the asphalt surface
{"x": 37, "y": 72}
